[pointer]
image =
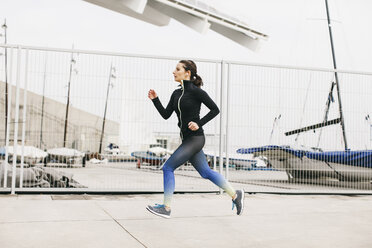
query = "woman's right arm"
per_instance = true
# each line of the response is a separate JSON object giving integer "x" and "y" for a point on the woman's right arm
{"x": 164, "y": 112}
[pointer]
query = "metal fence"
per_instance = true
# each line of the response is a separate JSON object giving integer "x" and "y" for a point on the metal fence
{"x": 81, "y": 121}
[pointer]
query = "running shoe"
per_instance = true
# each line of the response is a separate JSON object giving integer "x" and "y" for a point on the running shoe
{"x": 159, "y": 210}
{"x": 239, "y": 202}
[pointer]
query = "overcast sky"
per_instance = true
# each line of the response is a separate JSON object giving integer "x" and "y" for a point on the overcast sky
{"x": 297, "y": 28}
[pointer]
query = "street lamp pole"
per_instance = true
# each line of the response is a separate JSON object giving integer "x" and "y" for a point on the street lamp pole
{"x": 72, "y": 62}
{"x": 111, "y": 75}
{"x": 4, "y": 26}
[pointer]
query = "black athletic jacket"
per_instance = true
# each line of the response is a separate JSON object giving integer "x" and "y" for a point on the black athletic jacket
{"x": 186, "y": 102}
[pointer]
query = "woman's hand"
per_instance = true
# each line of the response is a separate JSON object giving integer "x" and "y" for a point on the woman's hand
{"x": 152, "y": 94}
{"x": 193, "y": 126}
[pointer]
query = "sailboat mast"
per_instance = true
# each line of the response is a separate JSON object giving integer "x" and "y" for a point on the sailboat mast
{"x": 336, "y": 76}
{"x": 42, "y": 104}
{"x": 104, "y": 115}
{"x": 68, "y": 99}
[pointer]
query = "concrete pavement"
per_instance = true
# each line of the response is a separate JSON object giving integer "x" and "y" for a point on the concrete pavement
{"x": 198, "y": 220}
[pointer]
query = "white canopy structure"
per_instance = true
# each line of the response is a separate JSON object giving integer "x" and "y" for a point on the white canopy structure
{"x": 63, "y": 151}
{"x": 28, "y": 151}
{"x": 192, "y": 13}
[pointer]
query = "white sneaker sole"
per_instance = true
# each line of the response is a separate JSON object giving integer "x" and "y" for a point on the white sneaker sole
{"x": 161, "y": 215}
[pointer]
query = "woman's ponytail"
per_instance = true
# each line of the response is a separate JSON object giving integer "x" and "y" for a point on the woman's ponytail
{"x": 197, "y": 80}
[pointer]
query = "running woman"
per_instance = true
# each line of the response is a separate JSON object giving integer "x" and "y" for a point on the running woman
{"x": 186, "y": 102}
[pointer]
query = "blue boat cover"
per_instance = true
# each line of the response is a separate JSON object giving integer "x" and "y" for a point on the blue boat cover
{"x": 357, "y": 158}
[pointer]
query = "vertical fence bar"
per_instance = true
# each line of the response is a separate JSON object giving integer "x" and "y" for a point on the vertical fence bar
{"x": 8, "y": 119}
{"x": 24, "y": 119}
{"x": 221, "y": 118}
{"x": 215, "y": 127}
{"x": 227, "y": 121}
{"x": 16, "y": 119}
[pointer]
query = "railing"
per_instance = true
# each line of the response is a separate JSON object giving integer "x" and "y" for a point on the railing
{"x": 78, "y": 102}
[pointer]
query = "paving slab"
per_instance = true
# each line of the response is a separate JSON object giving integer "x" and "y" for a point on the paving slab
{"x": 284, "y": 221}
{"x": 198, "y": 220}
{"x": 62, "y": 234}
{"x": 46, "y": 210}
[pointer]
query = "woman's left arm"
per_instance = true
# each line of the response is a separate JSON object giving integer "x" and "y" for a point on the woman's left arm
{"x": 213, "y": 109}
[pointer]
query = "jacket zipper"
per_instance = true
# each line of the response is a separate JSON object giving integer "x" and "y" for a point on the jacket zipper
{"x": 179, "y": 107}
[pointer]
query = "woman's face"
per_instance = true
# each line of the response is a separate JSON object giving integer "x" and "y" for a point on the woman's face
{"x": 180, "y": 74}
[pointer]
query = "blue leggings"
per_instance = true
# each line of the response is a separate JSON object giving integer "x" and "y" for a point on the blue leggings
{"x": 191, "y": 150}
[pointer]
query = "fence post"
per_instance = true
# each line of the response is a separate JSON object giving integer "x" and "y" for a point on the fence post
{"x": 223, "y": 72}
{"x": 227, "y": 121}
{"x": 24, "y": 119}
{"x": 16, "y": 119}
{"x": 215, "y": 126}
{"x": 8, "y": 119}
